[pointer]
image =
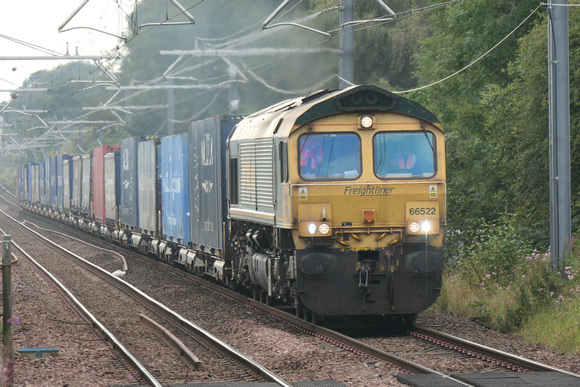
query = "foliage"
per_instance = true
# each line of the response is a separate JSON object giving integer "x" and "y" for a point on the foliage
{"x": 493, "y": 247}
{"x": 501, "y": 282}
{"x": 485, "y": 151}
{"x": 384, "y": 52}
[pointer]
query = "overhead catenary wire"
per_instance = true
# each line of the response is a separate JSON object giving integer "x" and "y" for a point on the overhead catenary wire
{"x": 473, "y": 62}
{"x": 117, "y": 54}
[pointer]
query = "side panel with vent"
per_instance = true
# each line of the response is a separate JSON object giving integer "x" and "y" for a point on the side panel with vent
{"x": 256, "y": 175}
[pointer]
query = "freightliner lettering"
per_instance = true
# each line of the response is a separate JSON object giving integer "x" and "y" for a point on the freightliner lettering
{"x": 368, "y": 191}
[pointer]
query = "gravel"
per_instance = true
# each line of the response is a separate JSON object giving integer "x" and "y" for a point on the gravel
{"x": 44, "y": 321}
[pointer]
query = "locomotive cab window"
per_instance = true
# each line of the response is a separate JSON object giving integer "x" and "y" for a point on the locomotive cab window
{"x": 329, "y": 156}
{"x": 404, "y": 154}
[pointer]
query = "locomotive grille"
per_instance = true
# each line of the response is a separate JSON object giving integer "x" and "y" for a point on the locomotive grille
{"x": 256, "y": 167}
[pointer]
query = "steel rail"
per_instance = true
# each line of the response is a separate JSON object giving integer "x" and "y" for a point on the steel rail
{"x": 471, "y": 348}
{"x": 161, "y": 309}
{"x": 333, "y": 337}
{"x": 80, "y": 309}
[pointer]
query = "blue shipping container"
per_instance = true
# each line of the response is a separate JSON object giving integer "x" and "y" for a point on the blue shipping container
{"x": 207, "y": 181}
{"x": 175, "y": 189}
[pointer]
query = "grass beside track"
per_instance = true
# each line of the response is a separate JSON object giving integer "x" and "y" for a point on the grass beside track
{"x": 499, "y": 280}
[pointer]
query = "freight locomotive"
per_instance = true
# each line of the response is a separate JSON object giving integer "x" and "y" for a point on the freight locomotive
{"x": 333, "y": 203}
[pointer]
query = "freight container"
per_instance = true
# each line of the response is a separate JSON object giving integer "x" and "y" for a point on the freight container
{"x": 22, "y": 186}
{"x": 66, "y": 185}
{"x": 87, "y": 186}
{"x": 60, "y": 159}
{"x": 44, "y": 177}
{"x": 35, "y": 183}
{"x": 52, "y": 182}
{"x": 29, "y": 183}
{"x": 175, "y": 221}
{"x": 112, "y": 187}
{"x": 99, "y": 181}
{"x": 129, "y": 197}
{"x": 77, "y": 185}
{"x": 148, "y": 183}
{"x": 19, "y": 181}
{"x": 207, "y": 182}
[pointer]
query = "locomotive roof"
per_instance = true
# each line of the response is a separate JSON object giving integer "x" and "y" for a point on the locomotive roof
{"x": 282, "y": 117}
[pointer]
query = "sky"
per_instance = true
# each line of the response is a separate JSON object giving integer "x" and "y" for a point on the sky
{"x": 37, "y": 22}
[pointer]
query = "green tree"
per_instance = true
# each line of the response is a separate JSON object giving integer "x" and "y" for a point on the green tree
{"x": 480, "y": 167}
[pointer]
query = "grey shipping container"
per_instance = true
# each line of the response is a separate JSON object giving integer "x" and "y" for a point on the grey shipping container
{"x": 22, "y": 192}
{"x": 52, "y": 182}
{"x": 45, "y": 183}
{"x": 35, "y": 183}
{"x": 66, "y": 184}
{"x": 207, "y": 182}
{"x": 86, "y": 179}
{"x": 60, "y": 188}
{"x": 77, "y": 184}
{"x": 129, "y": 189}
{"x": 112, "y": 192}
{"x": 147, "y": 181}
{"x": 175, "y": 189}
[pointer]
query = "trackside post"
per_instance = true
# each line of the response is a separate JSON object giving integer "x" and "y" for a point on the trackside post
{"x": 8, "y": 354}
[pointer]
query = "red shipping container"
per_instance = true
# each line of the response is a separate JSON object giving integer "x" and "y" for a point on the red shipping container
{"x": 99, "y": 181}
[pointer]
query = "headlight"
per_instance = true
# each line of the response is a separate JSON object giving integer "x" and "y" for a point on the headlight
{"x": 312, "y": 229}
{"x": 323, "y": 229}
{"x": 426, "y": 226}
{"x": 366, "y": 122}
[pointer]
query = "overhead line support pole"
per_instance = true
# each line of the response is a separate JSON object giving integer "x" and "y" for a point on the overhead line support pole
{"x": 346, "y": 43}
{"x": 559, "y": 111}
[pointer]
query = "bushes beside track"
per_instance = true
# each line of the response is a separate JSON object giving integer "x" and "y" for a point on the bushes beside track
{"x": 494, "y": 276}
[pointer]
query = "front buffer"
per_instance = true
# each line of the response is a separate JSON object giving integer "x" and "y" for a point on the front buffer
{"x": 392, "y": 281}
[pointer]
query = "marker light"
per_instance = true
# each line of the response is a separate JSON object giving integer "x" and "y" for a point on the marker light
{"x": 414, "y": 227}
{"x": 424, "y": 227}
{"x": 312, "y": 229}
{"x": 323, "y": 229}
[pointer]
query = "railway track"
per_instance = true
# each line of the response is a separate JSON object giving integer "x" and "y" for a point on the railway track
{"x": 141, "y": 374}
{"x": 371, "y": 353}
{"x": 490, "y": 359}
{"x": 498, "y": 360}
{"x": 509, "y": 361}
{"x": 243, "y": 368}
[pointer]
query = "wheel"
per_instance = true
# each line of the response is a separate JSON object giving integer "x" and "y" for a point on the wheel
{"x": 314, "y": 318}
{"x": 299, "y": 310}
